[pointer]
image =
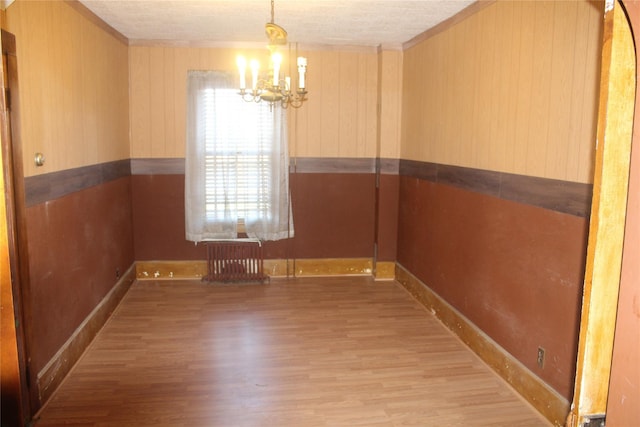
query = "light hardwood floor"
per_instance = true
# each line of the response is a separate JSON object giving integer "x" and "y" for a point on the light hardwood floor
{"x": 303, "y": 352}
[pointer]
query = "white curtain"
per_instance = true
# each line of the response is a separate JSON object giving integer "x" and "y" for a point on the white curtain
{"x": 237, "y": 163}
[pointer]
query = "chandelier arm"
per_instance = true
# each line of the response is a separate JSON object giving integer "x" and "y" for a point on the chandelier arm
{"x": 271, "y": 88}
{"x": 246, "y": 96}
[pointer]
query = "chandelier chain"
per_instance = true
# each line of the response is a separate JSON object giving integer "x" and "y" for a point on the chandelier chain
{"x": 272, "y": 6}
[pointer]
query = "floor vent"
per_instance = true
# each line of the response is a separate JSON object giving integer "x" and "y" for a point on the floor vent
{"x": 235, "y": 261}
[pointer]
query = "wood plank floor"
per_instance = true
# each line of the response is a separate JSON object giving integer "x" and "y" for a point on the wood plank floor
{"x": 303, "y": 352}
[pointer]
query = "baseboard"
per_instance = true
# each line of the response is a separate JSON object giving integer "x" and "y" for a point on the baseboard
{"x": 160, "y": 270}
{"x": 385, "y": 270}
{"x": 547, "y": 401}
{"x": 50, "y": 377}
{"x": 168, "y": 270}
{"x": 333, "y": 267}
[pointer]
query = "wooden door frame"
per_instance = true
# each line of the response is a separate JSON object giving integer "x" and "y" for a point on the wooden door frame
{"x": 24, "y": 396}
{"x": 608, "y": 215}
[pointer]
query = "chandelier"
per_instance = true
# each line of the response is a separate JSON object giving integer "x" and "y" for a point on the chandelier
{"x": 273, "y": 87}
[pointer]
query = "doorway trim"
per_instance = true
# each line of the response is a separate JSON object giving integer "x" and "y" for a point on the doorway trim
{"x": 15, "y": 289}
{"x": 608, "y": 215}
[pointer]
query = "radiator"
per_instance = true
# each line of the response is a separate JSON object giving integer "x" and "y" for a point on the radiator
{"x": 235, "y": 261}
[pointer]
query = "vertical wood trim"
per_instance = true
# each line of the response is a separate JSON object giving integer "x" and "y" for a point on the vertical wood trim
{"x": 347, "y": 82}
{"x": 575, "y": 151}
{"x": 11, "y": 386}
{"x": 139, "y": 101}
{"x": 330, "y": 108}
{"x": 591, "y": 89}
{"x": 558, "y": 115}
{"x": 606, "y": 233}
{"x": 376, "y": 207}
{"x": 14, "y": 269}
{"x": 538, "y": 121}
{"x": 157, "y": 101}
{"x": 524, "y": 92}
{"x": 390, "y": 86}
{"x": 624, "y": 393}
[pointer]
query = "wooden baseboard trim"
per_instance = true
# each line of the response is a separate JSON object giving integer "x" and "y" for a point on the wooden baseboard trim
{"x": 542, "y": 397}
{"x": 385, "y": 270}
{"x": 168, "y": 270}
{"x": 333, "y": 267}
{"x": 318, "y": 267}
{"x": 196, "y": 270}
{"x": 50, "y": 377}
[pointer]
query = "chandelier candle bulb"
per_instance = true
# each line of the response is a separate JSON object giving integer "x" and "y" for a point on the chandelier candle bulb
{"x": 242, "y": 65}
{"x": 277, "y": 60}
{"x": 287, "y": 83}
{"x": 255, "y": 66}
{"x": 302, "y": 68}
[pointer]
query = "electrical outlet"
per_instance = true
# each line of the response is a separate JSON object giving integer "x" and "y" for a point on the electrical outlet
{"x": 540, "y": 358}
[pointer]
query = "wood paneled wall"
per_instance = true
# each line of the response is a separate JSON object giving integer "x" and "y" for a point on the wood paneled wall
{"x": 390, "y": 103}
{"x": 73, "y": 87}
{"x": 512, "y": 88}
{"x": 338, "y": 120}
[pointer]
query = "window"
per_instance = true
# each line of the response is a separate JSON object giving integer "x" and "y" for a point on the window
{"x": 238, "y": 150}
{"x": 236, "y": 164}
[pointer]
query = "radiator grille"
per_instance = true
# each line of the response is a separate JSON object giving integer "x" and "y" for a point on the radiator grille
{"x": 235, "y": 261}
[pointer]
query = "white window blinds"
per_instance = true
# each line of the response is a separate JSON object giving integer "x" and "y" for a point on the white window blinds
{"x": 236, "y": 164}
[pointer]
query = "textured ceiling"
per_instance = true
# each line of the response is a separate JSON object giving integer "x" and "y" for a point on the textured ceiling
{"x": 325, "y": 22}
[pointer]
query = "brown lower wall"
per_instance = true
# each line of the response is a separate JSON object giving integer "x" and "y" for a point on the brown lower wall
{"x": 78, "y": 244}
{"x": 333, "y": 215}
{"x": 387, "y": 228}
{"x": 333, "y": 218}
{"x": 514, "y": 270}
{"x": 158, "y": 219}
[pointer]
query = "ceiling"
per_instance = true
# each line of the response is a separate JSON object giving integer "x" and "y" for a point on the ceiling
{"x": 388, "y": 23}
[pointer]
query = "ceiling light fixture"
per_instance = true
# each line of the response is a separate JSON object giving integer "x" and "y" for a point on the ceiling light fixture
{"x": 275, "y": 87}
